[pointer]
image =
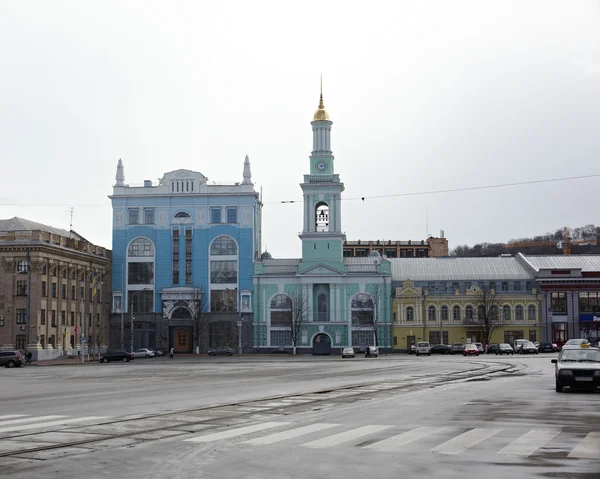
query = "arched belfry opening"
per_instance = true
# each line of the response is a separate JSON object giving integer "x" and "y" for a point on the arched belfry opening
{"x": 322, "y": 217}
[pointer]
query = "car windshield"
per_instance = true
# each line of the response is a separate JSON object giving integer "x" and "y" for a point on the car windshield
{"x": 581, "y": 355}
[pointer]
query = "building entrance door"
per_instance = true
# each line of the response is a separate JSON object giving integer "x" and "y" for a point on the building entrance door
{"x": 322, "y": 344}
{"x": 410, "y": 340}
{"x": 559, "y": 337}
{"x": 182, "y": 341}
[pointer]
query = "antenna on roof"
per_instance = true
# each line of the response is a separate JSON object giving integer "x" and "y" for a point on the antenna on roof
{"x": 426, "y": 223}
{"x": 70, "y": 212}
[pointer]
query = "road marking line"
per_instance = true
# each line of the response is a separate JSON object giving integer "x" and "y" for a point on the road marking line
{"x": 10, "y": 416}
{"x": 236, "y": 432}
{"x": 589, "y": 448}
{"x": 49, "y": 424}
{"x": 282, "y": 436}
{"x": 529, "y": 442}
{"x": 345, "y": 436}
{"x": 395, "y": 442}
{"x": 29, "y": 419}
{"x": 465, "y": 441}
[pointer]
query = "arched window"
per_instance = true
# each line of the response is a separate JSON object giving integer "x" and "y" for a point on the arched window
{"x": 281, "y": 310}
{"x": 362, "y": 310}
{"x": 223, "y": 245}
{"x": 469, "y": 312}
{"x": 456, "y": 313}
{"x": 322, "y": 217}
{"x": 410, "y": 314}
{"x": 140, "y": 247}
{"x": 444, "y": 313}
{"x": 519, "y": 313}
{"x": 431, "y": 313}
{"x": 182, "y": 214}
{"x": 506, "y": 313}
{"x": 531, "y": 312}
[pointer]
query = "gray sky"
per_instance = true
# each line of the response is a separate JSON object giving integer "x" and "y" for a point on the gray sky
{"x": 423, "y": 95}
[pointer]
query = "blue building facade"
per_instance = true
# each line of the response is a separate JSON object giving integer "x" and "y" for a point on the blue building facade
{"x": 183, "y": 253}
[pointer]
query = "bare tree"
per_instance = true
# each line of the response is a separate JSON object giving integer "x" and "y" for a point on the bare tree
{"x": 299, "y": 307}
{"x": 489, "y": 316}
{"x": 201, "y": 317}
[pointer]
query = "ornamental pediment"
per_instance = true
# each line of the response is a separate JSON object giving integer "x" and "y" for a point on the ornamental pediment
{"x": 321, "y": 270}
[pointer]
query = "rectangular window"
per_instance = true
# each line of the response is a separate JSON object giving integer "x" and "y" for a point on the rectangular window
{"x": 532, "y": 335}
{"x": 81, "y": 293}
{"x": 589, "y": 302}
{"x": 21, "y": 288}
{"x": 140, "y": 273}
{"x": 444, "y": 312}
{"x": 390, "y": 253}
{"x": 231, "y": 215}
{"x": 63, "y": 291}
{"x": 73, "y": 292}
{"x": 223, "y": 272}
{"x": 559, "y": 303}
{"x": 362, "y": 338}
{"x": 504, "y": 285}
{"x": 467, "y": 285}
{"x": 134, "y": 216}
{"x": 223, "y": 300}
{"x": 431, "y": 286}
{"x": 175, "y": 271}
{"x": 21, "y": 340}
{"x": 281, "y": 338}
{"x": 409, "y": 253}
{"x": 72, "y": 318}
{"x": 141, "y": 302}
{"x": 281, "y": 318}
{"x": 492, "y": 285}
{"x": 246, "y": 305}
{"x": 517, "y": 286}
{"x": 421, "y": 253}
{"x": 90, "y": 297}
{"x": 529, "y": 286}
{"x": 44, "y": 289}
{"x": 54, "y": 290}
{"x": 188, "y": 256}
{"x": 511, "y": 336}
{"x": 456, "y": 313}
{"x": 148, "y": 216}
{"x": 359, "y": 318}
{"x": 361, "y": 253}
{"x": 481, "y": 285}
{"x": 63, "y": 318}
{"x": 434, "y": 337}
{"x": 21, "y": 316}
{"x": 455, "y": 285}
{"x": 215, "y": 215}
{"x": 89, "y": 320}
{"x": 53, "y": 318}
{"x": 42, "y": 316}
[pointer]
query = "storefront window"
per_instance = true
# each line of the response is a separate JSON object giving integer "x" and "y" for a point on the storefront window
{"x": 559, "y": 303}
{"x": 588, "y": 302}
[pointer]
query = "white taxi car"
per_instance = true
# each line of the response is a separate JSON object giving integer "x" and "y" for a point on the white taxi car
{"x": 577, "y": 367}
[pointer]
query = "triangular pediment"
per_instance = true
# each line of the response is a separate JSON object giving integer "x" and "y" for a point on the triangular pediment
{"x": 321, "y": 270}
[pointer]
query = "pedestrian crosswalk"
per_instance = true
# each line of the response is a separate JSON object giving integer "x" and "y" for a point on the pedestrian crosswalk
{"x": 385, "y": 438}
{"x": 12, "y": 423}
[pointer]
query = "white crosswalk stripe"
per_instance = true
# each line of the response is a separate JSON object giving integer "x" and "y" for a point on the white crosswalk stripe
{"x": 28, "y": 419}
{"x": 589, "y": 448}
{"x": 282, "y": 436}
{"x": 236, "y": 432}
{"x": 347, "y": 436}
{"x": 529, "y": 442}
{"x": 465, "y": 441}
{"x": 395, "y": 442}
{"x": 45, "y": 424}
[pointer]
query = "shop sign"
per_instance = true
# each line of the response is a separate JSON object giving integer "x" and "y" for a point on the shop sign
{"x": 589, "y": 318}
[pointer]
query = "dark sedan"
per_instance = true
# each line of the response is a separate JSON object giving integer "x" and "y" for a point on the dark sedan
{"x": 441, "y": 349}
{"x": 492, "y": 348}
{"x": 109, "y": 356}
{"x": 547, "y": 348}
{"x": 221, "y": 350}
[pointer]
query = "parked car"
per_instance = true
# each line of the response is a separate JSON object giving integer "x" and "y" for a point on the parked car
{"x": 348, "y": 353}
{"x": 458, "y": 347}
{"x": 528, "y": 348}
{"x": 441, "y": 349}
{"x": 144, "y": 353}
{"x": 577, "y": 367}
{"x": 11, "y": 359}
{"x": 547, "y": 347}
{"x": 576, "y": 342}
{"x": 518, "y": 343}
{"x": 221, "y": 350}
{"x": 158, "y": 352}
{"x": 470, "y": 350}
{"x": 423, "y": 347}
{"x": 109, "y": 356}
{"x": 505, "y": 348}
{"x": 479, "y": 347}
{"x": 493, "y": 348}
{"x": 373, "y": 352}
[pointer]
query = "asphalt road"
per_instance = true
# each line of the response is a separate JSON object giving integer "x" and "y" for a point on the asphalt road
{"x": 255, "y": 417}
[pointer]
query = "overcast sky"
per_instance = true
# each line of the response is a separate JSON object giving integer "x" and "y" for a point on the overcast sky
{"x": 424, "y": 96}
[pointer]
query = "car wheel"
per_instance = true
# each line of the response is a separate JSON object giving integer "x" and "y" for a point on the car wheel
{"x": 125, "y": 360}
{"x": 228, "y": 354}
{"x": 428, "y": 354}
{"x": 147, "y": 355}
{"x": 559, "y": 387}
{"x": 11, "y": 364}
{"x": 417, "y": 354}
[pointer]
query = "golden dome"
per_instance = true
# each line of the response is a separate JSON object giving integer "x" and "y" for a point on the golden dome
{"x": 321, "y": 114}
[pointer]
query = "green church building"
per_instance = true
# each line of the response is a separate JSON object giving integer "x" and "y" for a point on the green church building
{"x": 322, "y": 302}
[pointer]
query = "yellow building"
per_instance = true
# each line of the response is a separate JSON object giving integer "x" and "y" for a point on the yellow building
{"x": 440, "y": 300}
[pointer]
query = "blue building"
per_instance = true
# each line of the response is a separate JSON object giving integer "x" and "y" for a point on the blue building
{"x": 183, "y": 253}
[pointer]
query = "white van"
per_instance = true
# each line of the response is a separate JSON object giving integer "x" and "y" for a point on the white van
{"x": 423, "y": 348}
{"x": 518, "y": 343}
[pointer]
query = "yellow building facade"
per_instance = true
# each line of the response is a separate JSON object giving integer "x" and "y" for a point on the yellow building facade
{"x": 437, "y": 300}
